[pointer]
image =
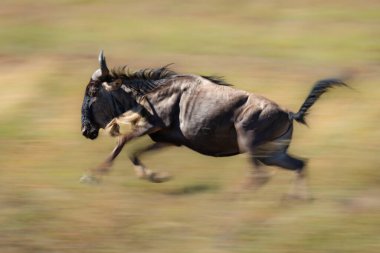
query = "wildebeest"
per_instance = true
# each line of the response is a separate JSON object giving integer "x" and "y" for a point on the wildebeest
{"x": 203, "y": 113}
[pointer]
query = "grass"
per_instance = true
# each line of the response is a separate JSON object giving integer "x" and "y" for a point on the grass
{"x": 48, "y": 50}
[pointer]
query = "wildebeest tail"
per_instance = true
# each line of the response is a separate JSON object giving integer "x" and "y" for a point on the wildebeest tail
{"x": 318, "y": 89}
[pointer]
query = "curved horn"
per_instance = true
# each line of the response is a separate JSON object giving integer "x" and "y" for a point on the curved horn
{"x": 103, "y": 64}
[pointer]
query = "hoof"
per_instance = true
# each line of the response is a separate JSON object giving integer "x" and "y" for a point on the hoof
{"x": 158, "y": 178}
{"x": 256, "y": 181}
{"x": 88, "y": 179}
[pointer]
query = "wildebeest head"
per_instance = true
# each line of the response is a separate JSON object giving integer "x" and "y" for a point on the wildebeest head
{"x": 100, "y": 105}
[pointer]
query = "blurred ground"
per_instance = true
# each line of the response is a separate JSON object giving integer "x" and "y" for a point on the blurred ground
{"x": 48, "y": 51}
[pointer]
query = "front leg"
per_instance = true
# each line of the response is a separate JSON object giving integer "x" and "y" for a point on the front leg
{"x": 145, "y": 173}
{"x": 93, "y": 175}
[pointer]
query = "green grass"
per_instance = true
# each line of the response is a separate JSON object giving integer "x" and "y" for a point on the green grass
{"x": 48, "y": 51}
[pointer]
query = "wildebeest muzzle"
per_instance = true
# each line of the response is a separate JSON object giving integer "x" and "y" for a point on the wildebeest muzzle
{"x": 89, "y": 131}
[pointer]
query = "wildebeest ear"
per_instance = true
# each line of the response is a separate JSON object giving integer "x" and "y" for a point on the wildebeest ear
{"x": 114, "y": 85}
{"x": 103, "y": 65}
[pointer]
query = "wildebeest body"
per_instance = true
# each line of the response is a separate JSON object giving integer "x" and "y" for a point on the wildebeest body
{"x": 200, "y": 112}
{"x": 206, "y": 117}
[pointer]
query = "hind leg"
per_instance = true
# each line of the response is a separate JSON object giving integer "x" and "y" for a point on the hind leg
{"x": 258, "y": 175}
{"x": 300, "y": 189}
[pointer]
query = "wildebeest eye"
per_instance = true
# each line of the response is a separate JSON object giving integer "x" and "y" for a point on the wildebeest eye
{"x": 93, "y": 91}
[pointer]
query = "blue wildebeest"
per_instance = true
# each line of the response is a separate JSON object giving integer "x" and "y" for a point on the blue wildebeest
{"x": 202, "y": 113}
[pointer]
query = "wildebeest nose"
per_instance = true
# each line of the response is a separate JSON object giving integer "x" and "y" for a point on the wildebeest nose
{"x": 89, "y": 132}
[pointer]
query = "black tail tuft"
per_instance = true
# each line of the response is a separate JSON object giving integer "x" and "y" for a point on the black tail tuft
{"x": 318, "y": 89}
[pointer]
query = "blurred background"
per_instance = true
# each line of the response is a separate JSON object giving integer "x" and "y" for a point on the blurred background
{"x": 48, "y": 51}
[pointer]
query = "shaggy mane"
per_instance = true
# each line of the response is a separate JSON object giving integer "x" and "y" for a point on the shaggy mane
{"x": 146, "y": 80}
{"x": 217, "y": 80}
{"x": 143, "y": 74}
